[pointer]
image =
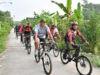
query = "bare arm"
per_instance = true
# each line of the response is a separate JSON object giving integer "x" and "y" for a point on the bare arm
{"x": 50, "y": 35}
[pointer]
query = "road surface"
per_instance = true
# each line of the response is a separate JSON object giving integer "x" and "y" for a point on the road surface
{"x": 16, "y": 61}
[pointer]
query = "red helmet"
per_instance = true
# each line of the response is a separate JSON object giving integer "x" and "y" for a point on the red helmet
{"x": 74, "y": 23}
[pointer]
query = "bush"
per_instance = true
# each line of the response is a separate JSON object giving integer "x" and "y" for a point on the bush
{"x": 95, "y": 59}
{"x": 3, "y": 35}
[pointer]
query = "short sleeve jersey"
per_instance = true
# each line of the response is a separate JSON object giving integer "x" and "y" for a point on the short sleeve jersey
{"x": 42, "y": 31}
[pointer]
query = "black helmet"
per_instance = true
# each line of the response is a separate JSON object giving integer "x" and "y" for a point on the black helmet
{"x": 53, "y": 25}
{"x": 42, "y": 20}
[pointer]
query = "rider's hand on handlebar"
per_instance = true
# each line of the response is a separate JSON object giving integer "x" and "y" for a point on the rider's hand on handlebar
{"x": 87, "y": 42}
{"x": 53, "y": 41}
{"x": 72, "y": 43}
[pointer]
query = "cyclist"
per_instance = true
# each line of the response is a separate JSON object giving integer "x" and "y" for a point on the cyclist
{"x": 27, "y": 32}
{"x": 21, "y": 30}
{"x": 71, "y": 36}
{"x": 41, "y": 30}
{"x": 54, "y": 31}
{"x": 16, "y": 29}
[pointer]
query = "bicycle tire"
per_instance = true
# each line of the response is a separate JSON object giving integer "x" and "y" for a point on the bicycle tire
{"x": 90, "y": 65}
{"x": 37, "y": 56}
{"x": 44, "y": 66}
{"x": 29, "y": 50}
{"x": 63, "y": 60}
{"x": 55, "y": 51}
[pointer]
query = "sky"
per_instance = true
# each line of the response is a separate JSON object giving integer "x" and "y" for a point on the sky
{"x": 21, "y": 9}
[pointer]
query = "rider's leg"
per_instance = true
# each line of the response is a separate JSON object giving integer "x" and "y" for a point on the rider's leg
{"x": 77, "y": 52}
{"x": 68, "y": 46}
{"x": 37, "y": 43}
{"x": 67, "y": 49}
{"x": 21, "y": 37}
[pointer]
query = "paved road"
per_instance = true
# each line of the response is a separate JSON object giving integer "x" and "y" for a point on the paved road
{"x": 16, "y": 61}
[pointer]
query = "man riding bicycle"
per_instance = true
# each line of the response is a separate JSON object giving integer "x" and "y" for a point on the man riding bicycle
{"x": 41, "y": 31}
{"x": 54, "y": 31}
{"x": 16, "y": 29}
{"x": 71, "y": 36}
{"x": 22, "y": 30}
{"x": 27, "y": 32}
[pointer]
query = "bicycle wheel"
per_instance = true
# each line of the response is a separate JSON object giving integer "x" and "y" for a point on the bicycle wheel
{"x": 17, "y": 35}
{"x": 29, "y": 50}
{"x": 83, "y": 65}
{"x": 37, "y": 56}
{"x": 47, "y": 64}
{"x": 55, "y": 51}
{"x": 64, "y": 57}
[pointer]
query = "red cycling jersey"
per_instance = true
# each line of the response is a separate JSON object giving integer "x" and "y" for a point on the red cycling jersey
{"x": 21, "y": 29}
{"x": 71, "y": 34}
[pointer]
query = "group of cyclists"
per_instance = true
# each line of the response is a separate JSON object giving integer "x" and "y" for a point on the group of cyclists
{"x": 43, "y": 31}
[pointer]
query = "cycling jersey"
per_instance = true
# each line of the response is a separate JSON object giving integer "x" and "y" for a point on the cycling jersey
{"x": 71, "y": 34}
{"x": 21, "y": 29}
{"x": 42, "y": 31}
{"x": 53, "y": 31}
{"x": 17, "y": 28}
{"x": 27, "y": 30}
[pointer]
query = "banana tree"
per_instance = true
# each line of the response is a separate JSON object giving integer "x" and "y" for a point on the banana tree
{"x": 55, "y": 18}
{"x": 67, "y": 9}
{"x": 78, "y": 15}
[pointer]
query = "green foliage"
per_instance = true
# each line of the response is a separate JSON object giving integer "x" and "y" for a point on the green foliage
{"x": 66, "y": 9}
{"x": 6, "y": 24}
{"x": 91, "y": 30}
{"x": 69, "y": 6}
{"x": 78, "y": 14}
{"x": 61, "y": 6}
{"x": 95, "y": 59}
{"x": 61, "y": 44}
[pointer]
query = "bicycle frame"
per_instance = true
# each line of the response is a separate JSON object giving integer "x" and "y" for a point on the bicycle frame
{"x": 79, "y": 48}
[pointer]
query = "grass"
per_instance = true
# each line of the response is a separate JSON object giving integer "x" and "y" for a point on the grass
{"x": 2, "y": 43}
{"x": 95, "y": 59}
{"x": 3, "y": 36}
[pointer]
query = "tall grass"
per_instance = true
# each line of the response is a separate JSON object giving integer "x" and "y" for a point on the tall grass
{"x": 3, "y": 35}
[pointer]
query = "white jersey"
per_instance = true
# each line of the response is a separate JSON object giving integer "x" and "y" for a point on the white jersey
{"x": 55, "y": 31}
{"x": 42, "y": 31}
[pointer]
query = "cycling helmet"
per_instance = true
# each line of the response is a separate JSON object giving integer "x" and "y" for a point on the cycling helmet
{"x": 53, "y": 25}
{"x": 74, "y": 23}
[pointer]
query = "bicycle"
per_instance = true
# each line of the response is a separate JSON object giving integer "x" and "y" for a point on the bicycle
{"x": 53, "y": 47}
{"x": 17, "y": 34}
{"x": 43, "y": 54}
{"x": 82, "y": 62}
{"x": 28, "y": 43}
{"x": 22, "y": 38}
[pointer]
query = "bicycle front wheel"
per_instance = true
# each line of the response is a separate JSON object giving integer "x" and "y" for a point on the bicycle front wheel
{"x": 83, "y": 65}
{"x": 29, "y": 50}
{"x": 56, "y": 51}
{"x": 47, "y": 64}
{"x": 37, "y": 56}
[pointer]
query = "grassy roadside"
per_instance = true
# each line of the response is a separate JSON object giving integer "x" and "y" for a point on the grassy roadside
{"x": 95, "y": 59}
{"x": 3, "y": 37}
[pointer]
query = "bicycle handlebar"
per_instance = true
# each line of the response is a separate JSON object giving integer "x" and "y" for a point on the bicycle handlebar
{"x": 79, "y": 45}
